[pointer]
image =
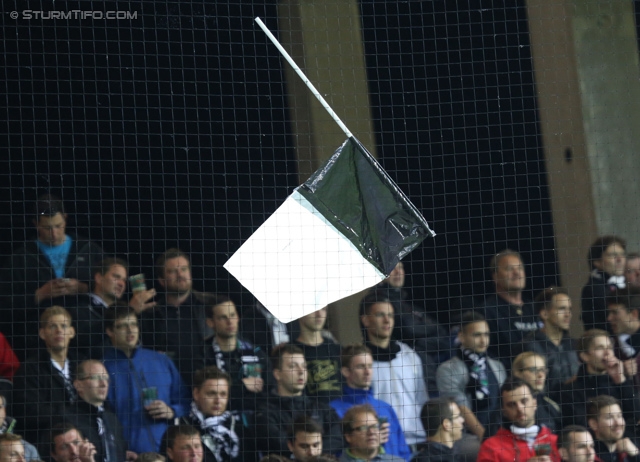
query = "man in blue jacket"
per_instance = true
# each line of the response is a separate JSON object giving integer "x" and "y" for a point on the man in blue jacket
{"x": 145, "y": 388}
{"x": 357, "y": 369}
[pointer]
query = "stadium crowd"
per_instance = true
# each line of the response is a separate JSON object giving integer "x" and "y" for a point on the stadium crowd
{"x": 92, "y": 372}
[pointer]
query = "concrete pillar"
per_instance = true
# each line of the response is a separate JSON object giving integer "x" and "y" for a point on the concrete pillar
{"x": 324, "y": 38}
{"x": 585, "y": 57}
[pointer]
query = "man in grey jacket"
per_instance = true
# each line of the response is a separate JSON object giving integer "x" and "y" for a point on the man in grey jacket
{"x": 473, "y": 379}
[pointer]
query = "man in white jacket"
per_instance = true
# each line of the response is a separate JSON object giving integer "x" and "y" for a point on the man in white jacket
{"x": 398, "y": 377}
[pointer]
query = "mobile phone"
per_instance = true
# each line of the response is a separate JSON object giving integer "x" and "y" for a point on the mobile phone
{"x": 543, "y": 449}
{"x": 382, "y": 420}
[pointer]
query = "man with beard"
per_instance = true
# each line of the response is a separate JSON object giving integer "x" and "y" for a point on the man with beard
{"x": 220, "y": 430}
{"x": 245, "y": 363}
{"x": 362, "y": 433}
{"x": 322, "y": 355}
{"x": 509, "y": 314}
{"x": 145, "y": 387}
{"x": 601, "y": 373}
{"x": 608, "y": 426}
{"x": 519, "y": 439}
{"x": 532, "y": 368}
{"x": 607, "y": 258}
{"x": 552, "y": 341}
{"x": 89, "y": 416}
{"x": 575, "y": 444}
{"x": 43, "y": 385}
{"x": 177, "y": 325}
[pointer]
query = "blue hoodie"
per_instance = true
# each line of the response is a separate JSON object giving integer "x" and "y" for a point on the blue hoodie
{"x": 353, "y": 396}
{"x": 127, "y": 378}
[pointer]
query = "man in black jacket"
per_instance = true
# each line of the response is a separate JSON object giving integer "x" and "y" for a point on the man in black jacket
{"x": 608, "y": 426}
{"x": 43, "y": 385}
{"x": 50, "y": 270}
{"x": 89, "y": 415}
{"x": 277, "y": 414}
{"x": 443, "y": 422}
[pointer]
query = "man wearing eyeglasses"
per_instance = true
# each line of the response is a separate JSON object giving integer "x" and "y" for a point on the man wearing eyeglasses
{"x": 532, "y": 368}
{"x": 361, "y": 431}
{"x": 49, "y": 270}
{"x": 100, "y": 426}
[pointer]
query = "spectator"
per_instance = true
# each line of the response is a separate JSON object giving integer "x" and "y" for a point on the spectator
{"x": 68, "y": 445}
{"x": 519, "y": 439}
{"x": 575, "y": 444}
{"x": 322, "y": 355}
{"x": 623, "y": 309}
{"x": 43, "y": 385}
{"x": 398, "y": 376}
{"x": 444, "y": 424}
{"x": 177, "y": 325}
{"x": 50, "y": 270}
{"x": 305, "y": 440}
{"x": 509, "y": 314}
{"x": 9, "y": 364}
{"x": 245, "y": 363}
{"x": 472, "y": 378}
{"x": 220, "y": 431}
{"x": 30, "y": 451}
{"x": 606, "y": 421}
{"x": 145, "y": 390}
{"x": 275, "y": 416}
{"x": 11, "y": 448}
{"x": 357, "y": 370}
{"x": 532, "y": 368}
{"x": 413, "y": 325}
{"x": 109, "y": 285}
{"x": 607, "y": 259}
{"x": 632, "y": 270}
{"x": 362, "y": 433}
{"x": 601, "y": 373}
{"x": 183, "y": 444}
{"x": 88, "y": 415}
{"x": 552, "y": 340}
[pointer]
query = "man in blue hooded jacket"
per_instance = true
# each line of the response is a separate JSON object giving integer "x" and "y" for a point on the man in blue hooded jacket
{"x": 357, "y": 369}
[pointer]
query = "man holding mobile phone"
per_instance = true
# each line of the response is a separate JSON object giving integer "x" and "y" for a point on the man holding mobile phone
{"x": 519, "y": 439}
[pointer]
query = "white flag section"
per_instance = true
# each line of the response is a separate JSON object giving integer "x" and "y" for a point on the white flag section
{"x": 297, "y": 262}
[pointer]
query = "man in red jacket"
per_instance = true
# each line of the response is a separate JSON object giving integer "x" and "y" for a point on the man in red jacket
{"x": 519, "y": 439}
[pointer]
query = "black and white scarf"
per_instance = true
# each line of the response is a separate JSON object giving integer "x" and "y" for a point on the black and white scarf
{"x": 478, "y": 377}
{"x": 219, "y": 434}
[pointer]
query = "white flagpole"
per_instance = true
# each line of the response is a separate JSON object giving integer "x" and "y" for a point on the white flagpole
{"x": 304, "y": 78}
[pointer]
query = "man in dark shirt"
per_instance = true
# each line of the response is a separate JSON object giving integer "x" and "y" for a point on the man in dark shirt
{"x": 608, "y": 426}
{"x": 443, "y": 422}
{"x": 509, "y": 315}
{"x": 552, "y": 340}
{"x": 607, "y": 259}
{"x": 575, "y": 444}
{"x": 177, "y": 325}
{"x": 623, "y": 309}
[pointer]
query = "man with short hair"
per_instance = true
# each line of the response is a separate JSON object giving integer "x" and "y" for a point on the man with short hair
{"x": 43, "y": 385}
{"x": 473, "y": 378}
{"x": 287, "y": 402}
{"x": 509, "y": 314}
{"x": 444, "y": 424}
{"x": 136, "y": 372}
{"x": 361, "y": 429}
{"x": 519, "y": 439}
{"x": 11, "y": 448}
{"x": 68, "y": 445}
{"x": 183, "y": 444}
{"x": 322, "y": 355}
{"x": 245, "y": 363}
{"x": 6, "y": 423}
{"x": 305, "y": 441}
{"x": 606, "y": 421}
{"x": 552, "y": 340}
{"x": 623, "y": 315}
{"x": 607, "y": 259}
{"x": 601, "y": 373}
{"x": 177, "y": 325}
{"x": 220, "y": 430}
{"x": 532, "y": 368}
{"x": 88, "y": 414}
{"x": 632, "y": 270}
{"x": 49, "y": 270}
{"x": 357, "y": 370}
{"x": 575, "y": 444}
{"x": 398, "y": 375}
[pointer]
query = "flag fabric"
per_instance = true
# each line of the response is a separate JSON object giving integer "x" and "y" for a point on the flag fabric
{"x": 341, "y": 232}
